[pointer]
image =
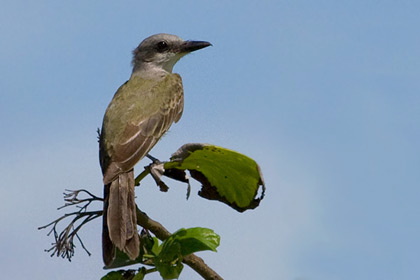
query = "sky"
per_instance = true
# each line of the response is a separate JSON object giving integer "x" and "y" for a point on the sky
{"x": 324, "y": 95}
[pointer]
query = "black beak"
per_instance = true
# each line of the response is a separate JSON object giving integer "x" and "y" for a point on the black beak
{"x": 190, "y": 46}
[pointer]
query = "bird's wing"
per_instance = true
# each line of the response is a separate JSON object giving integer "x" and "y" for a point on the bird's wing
{"x": 164, "y": 105}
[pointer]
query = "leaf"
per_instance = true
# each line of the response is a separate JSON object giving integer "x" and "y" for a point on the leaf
{"x": 147, "y": 245}
{"x": 113, "y": 275}
{"x": 120, "y": 275}
{"x": 156, "y": 248}
{"x": 225, "y": 175}
{"x": 187, "y": 241}
{"x": 168, "y": 271}
{"x": 129, "y": 274}
{"x": 181, "y": 243}
{"x": 121, "y": 259}
{"x": 140, "y": 275}
{"x": 197, "y": 239}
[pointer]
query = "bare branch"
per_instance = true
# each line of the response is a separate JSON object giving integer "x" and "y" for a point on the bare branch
{"x": 64, "y": 241}
{"x": 71, "y": 199}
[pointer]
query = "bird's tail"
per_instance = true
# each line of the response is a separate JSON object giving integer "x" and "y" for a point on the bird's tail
{"x": 119, "y": 219}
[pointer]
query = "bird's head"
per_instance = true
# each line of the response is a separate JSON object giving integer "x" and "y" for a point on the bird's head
{"x": 161, "y": 52}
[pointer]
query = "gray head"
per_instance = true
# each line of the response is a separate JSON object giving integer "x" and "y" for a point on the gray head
{"x": 160, "y": 52}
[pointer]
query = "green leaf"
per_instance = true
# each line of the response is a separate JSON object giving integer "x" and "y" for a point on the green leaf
{"x": 119, "y": 275}
{"x": 168, "y": 271}
{"x": 129, "y": 274}
{"x": 148, "y": 246}
{"x": 140, "y": 275}
{"x": 187, "y": 241}
{"x": 113, "y": 275}
{"x": 226, "y": 175}
{"x": 121, "y": 259}
{"x": 193, "y": 240}
{"x": 181, "y": 243}
{"x": 156, "y": 248}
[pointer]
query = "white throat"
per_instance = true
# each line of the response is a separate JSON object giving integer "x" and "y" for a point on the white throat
{"x": 160, "y": 66}
{"x": 149, "y": 70}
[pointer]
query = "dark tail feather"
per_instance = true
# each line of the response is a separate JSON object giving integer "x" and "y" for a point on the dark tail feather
{"x": 120, "y": 223}
{"x": 108, "y": 249}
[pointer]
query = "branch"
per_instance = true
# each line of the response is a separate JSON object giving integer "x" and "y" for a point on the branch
{"x": 162, "y": 233}
{"x": 64, "y": 242}
{"x": 71, "y": 199}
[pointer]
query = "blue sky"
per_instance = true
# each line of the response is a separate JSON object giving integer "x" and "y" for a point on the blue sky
{"x": 325, "y": 95}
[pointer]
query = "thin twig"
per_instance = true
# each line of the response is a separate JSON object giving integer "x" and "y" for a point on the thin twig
{"x": 141, "y": 176}
{"x": 71, "y": 198}
{"x": 152, "y": 158}
{"x": 64, "y": 241}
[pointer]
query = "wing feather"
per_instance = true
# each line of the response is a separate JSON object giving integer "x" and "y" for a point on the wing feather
{"x": 139, "y": 136}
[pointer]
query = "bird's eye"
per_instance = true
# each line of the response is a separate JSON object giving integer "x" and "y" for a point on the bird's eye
{"x": 162, "y": 46}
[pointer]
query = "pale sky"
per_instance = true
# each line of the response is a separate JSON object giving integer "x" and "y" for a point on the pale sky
{"x": 324, "y": 95}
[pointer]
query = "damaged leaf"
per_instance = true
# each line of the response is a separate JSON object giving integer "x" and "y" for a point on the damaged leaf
{"x": 225, "y": 175}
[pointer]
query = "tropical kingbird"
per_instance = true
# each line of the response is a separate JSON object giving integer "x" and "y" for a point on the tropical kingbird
{"x": 141, "y": 111}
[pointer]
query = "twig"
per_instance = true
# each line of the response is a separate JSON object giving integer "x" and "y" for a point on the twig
{"x": 64, "y": 241}
{"x": 71, "y": 199}
{"x": 152, "y": 158}
{"x": 141, "y": 176}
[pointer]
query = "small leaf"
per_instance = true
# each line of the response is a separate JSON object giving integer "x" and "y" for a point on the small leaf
{"x": 120, "y": 260}
{"x": 140, "y": 275}
{"x": 119, "y": 275}
{"x": 226, "y": 175}
{"x": 168, "y": 271}
{"x": 156, "y": 248}
{"x": 147, "y": 243}
{"x": 113, "y": 275}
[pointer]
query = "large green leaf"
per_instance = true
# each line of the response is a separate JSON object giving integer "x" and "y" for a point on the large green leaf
{"x": 181, "y": 243}
{"x": 187, "y": 241}
{"x": 166, "y": 257}
{"x": 226, "y": 175}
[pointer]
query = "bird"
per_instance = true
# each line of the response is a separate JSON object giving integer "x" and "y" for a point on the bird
{"x": 139, "y": 114}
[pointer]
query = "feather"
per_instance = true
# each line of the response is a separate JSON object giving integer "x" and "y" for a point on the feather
{"x": 140, "y": 113}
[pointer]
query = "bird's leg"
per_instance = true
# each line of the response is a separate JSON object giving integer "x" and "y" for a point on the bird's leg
{"x": 147, "y": 169}
{"x": 155, "y": 169}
